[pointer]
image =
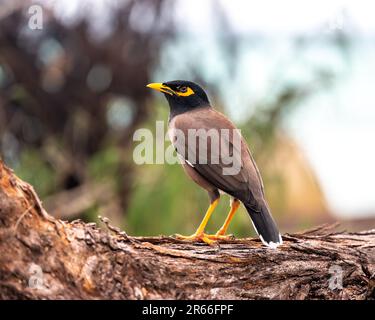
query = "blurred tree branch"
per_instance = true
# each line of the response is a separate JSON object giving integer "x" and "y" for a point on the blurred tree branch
{"x": 59, "y": 85}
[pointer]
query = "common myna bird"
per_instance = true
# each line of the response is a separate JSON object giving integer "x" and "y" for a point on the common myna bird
{"x": 190, "y": 109}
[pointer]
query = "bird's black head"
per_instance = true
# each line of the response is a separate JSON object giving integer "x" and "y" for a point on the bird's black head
{"x": 182, "y": 95}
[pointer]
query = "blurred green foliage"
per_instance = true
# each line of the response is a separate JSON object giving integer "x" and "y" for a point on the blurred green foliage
{"x": 34, "y": 170}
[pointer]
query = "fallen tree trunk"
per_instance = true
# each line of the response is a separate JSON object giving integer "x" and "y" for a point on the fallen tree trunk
{"x": 45, "y": 258}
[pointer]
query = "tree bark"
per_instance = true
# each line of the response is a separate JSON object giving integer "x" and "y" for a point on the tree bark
{"x": 45, "y": 258}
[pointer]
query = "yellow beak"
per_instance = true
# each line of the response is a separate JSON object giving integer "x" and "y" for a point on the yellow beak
{"x": 160, "y": 87}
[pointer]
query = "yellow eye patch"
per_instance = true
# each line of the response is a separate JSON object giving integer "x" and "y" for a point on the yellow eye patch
{"x": 189, "y": 91}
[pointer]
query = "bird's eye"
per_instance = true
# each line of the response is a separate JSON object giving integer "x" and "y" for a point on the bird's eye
{"x": 182, "y": 89}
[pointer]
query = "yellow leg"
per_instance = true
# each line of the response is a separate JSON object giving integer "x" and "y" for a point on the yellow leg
{"x": 207, "y": 216}
{"x": 199, "y": 233}
{"x": 220, "y": 235}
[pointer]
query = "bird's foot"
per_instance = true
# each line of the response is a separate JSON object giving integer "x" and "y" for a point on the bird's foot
{"x": 204, "y": 237}
{"x": 218, "y": 236}
{"x": 201, "y": 237}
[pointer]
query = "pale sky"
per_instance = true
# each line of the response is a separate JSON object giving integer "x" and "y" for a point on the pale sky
{"x": 272, "y": 17}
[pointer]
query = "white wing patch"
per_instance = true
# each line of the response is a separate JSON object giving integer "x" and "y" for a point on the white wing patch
{"x": 189, "y": 163}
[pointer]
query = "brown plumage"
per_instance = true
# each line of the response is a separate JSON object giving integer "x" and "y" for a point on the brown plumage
{"x": 193, "y": 112}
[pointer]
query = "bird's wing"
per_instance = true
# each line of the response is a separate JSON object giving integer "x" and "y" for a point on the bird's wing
{"x": 243, "y": 180}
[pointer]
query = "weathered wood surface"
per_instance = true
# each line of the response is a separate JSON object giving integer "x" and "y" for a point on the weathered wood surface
{"x": 45, "y": 258}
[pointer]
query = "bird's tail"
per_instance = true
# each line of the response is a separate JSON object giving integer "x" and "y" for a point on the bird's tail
{"x": 265, "y": 226}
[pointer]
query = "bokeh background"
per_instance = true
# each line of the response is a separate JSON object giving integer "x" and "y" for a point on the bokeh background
{"x": 296, "y": 77}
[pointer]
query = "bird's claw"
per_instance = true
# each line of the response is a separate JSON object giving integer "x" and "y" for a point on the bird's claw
{"x": 210, "y": 239}
{"x": 219, "y": 236}
{"x": 196, "y": 237}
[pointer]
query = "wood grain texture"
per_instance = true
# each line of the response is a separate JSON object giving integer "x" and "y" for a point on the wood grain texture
{"x": 45, "y": 258}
